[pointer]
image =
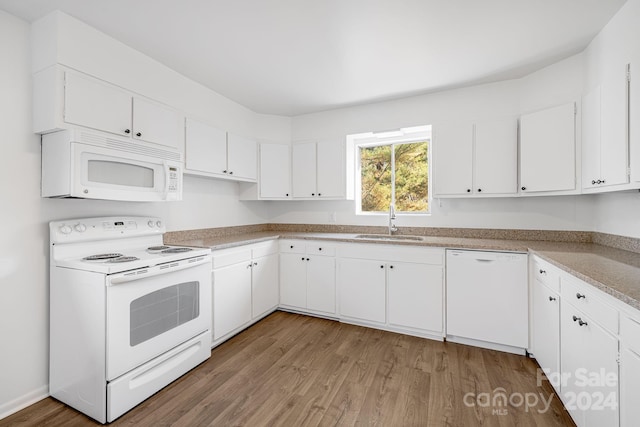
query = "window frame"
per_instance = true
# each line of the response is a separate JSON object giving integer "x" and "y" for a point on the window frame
{"x": 371, "y": 140}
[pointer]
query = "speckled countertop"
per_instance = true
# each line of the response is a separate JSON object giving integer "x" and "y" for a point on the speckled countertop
{"x": 614, "y": 271}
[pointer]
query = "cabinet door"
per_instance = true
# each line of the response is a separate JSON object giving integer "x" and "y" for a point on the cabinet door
{"x": 156, "y": 123}
{"x": 275, "y": 171}
{"x": 206, "y": 148}
{"x": 496, "y": 157}
{"x": 614, "y": 150}
{"x": 293, "y": 280}
{"x": 242, "y": 157}
{"x": 362, "y": 288}
{"x": 303, "y": 169}
{"x": 231, "y": 298}
{"x": 546, "y": 331}
{"x": 591, "y": 139}
{"x": 331, "y": 169}
{"x": 629, "y": 387}
{"x": 90, "y": 103}
{"x": 265, "y": 287}
{"x": 452, "y": 158}
{"x": 547, "y": 150}
{"x": 589, "y": 364}
{"x": 321, "y": 284}
{"x": 415, "y": 296}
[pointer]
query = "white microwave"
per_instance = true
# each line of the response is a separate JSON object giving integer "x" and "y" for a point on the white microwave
{"x": 90, "y": 165}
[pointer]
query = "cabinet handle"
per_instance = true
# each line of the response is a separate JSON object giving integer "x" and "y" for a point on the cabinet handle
{"x": 250, "y": 265}
{"x": 291, "y": 246}
{"x": 391, "y": 266}
{"x": 303, "y": 258}
{"x": 307, "y": 259}
{"x": 287, "y": 194}
{"x": 479, "y": 190}
{"x": 552, "y": 299}
{"x": 255, "y": 263}
{"x": 127, "y": 131}
{"x": 580, "y": 321}
{"x": 579, "y": 295}
{"x": 523, "y": 188}
{"x": 593, "y": 181}
{"x": 319, "y": 249}
{"x": 603, "y": 181}
{"x": 313, "y": 194}
{"x": 224, "y": 171}
{"x": 139, "y": 134}
{"x": 230, "y": 172}
{"x": 319, "y": 194}
{"x": 382, "y": 266}
{"x": 468, "y": 190}
{"x": 543, "y": 271}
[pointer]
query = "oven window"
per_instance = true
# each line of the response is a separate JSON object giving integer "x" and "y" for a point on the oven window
{"x": 118, "y": 173}
{"x": 160, "y": 311}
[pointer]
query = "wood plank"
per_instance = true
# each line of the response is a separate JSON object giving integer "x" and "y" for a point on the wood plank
{"x": 290, "y": 369}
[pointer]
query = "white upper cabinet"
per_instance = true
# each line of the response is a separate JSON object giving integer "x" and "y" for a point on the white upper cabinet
{"x": 275, "y": 171}
{"x": 213, "y": 152}
{"x": 92, "y": 103}
{"x": 242, "y": 157}
{"x": 318, "y": 170}
{"x": 605, "y": 149}
{"x": 548, "y": 150}
{"x": 452, "y": 159}
{"x": 475, "y": 159}
{"x": 303, "y": 170}
{"x": 206, "y": 148}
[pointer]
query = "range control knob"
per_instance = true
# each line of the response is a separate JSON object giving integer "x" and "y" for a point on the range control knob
{"x": 159, "y": 224}
{"x": 80, "y": 228}
{"x": 150, "y": 223}
{"x": 65, "y": 229}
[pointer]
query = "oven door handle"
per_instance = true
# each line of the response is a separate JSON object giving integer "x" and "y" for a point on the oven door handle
{"x": 157, "y": 270}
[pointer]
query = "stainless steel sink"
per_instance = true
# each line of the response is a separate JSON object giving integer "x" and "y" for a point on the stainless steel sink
{"x": 389, "y": 237}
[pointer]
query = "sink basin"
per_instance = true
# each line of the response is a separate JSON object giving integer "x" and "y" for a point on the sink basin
{"x": 389, "y": 237}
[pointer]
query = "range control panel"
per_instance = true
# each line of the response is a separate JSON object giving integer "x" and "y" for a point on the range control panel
{"x": 86, "y": 229}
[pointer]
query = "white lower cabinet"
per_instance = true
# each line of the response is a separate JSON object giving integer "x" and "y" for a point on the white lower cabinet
{"x": 396, "y": 288}
{"x": 546, "y": 330}
{"x": 629, "y": 370}
{"x": 307, "y": 277}
{"x": 245, "y": 287}
{"x": 589, "y": 364}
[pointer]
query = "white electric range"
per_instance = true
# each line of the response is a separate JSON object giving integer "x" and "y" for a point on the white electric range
{"x": 128, "y": 314}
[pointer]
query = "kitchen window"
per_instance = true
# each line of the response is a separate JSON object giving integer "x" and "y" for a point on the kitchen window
{"x": 393, "y": 168}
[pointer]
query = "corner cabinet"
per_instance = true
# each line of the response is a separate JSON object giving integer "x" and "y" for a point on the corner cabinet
{"x": 245, "y": 287}
{"x": 216, "y": 153}
{"x": 475, "y": 159}
{"x": 307, "y": 277}
{"x": 64, "y": 98}
{"x": 318, "y": 170}
{"x": 395, "y": 288}
{"x": 548, "y": 151}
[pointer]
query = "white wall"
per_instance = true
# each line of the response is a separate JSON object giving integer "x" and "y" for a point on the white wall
{"x": 24, "y": 215}
{"x": 556, "y": 84}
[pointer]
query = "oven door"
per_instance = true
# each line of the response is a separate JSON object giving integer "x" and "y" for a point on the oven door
{"x": 104, "y": 173}
{"x": 152, "y": 310}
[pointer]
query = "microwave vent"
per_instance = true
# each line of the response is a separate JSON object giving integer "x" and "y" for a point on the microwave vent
{"x": 130, "y": 146}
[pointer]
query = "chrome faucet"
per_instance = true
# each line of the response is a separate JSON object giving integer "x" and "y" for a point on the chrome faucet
{"x": 392, "y": 217}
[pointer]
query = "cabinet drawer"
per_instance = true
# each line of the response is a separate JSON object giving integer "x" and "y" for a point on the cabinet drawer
{"x": 263, "y": 249}
{"x": 630, "y": 333}
{"x": 320, "y": 248}
{"x": 292, "y": 246}
{"x": 582, "y": 296}
{"x": 230, "y": 257}
{"x": 547, "y": 274}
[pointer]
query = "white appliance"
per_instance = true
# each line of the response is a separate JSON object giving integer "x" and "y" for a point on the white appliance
{"x": 128, "y": 315}
{"x": 487, "y": 303}
{"x": 93, "y": 165}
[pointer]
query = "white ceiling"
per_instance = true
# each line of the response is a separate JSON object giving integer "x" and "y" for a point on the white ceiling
{"x": 291, "y": 57}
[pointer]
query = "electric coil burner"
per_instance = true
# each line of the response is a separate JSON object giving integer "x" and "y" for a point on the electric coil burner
{"x": 128, "y": 314}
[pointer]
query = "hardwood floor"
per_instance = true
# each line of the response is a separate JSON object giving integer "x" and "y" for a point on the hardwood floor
{"x": 293, "y": 370}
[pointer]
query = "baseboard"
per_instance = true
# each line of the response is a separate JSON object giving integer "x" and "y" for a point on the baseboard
{"x": 22, "y": 402}
{"x": 488, "y": 345}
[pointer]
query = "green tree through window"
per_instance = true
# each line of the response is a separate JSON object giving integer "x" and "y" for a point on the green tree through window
{"x": 395, "y": 173}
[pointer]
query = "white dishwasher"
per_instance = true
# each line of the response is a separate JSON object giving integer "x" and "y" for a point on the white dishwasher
{"x": 487, "y": 299}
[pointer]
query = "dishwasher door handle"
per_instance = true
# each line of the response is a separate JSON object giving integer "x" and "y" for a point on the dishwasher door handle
{"x": 484, "y": 260}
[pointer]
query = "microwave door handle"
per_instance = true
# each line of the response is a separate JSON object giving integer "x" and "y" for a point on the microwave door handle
{"x": 155, "y": 272}
{"x": 166, "y": 180}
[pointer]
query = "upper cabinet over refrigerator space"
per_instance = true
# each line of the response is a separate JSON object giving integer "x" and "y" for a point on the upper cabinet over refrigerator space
{"x": 65, "y": 99}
